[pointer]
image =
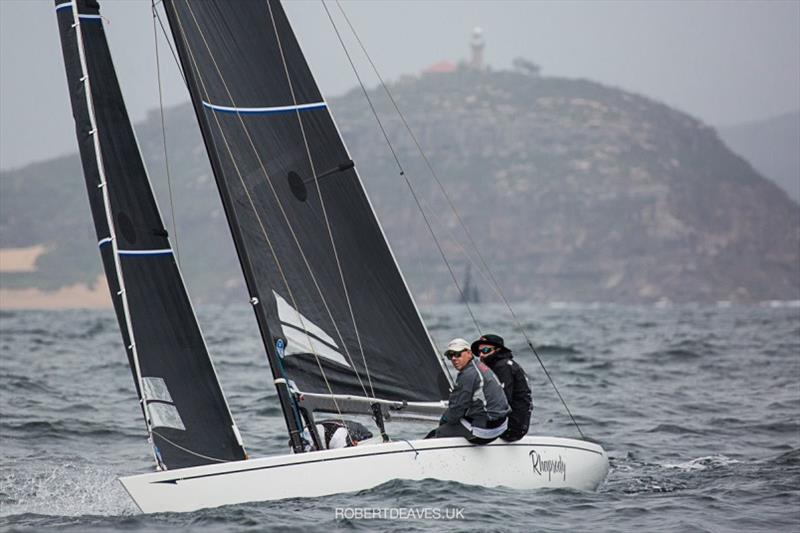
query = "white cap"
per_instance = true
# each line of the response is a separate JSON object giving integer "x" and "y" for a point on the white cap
{"x": 457, "y": 345}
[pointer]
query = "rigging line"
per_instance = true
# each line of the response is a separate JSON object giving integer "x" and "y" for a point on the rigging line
{"x": 154, "y": 4}
{"x": 187, "y": 450}
{"x": 490, "y": 280}
{"x": 260, "y": 222}
{"x": 578, "y": 427}
{"x": 283, "y": 212}
{"x": 364, "y": 90}
{"x": 280, "y": 206}
{"x": 169, "y": 43}
{"x": 322, "y": 202}
{"x": 402, "y": 172}
{"x": 252, "y": 203}
{"x": 130, "y": 340}
{"x": 494, "y": 283}
{"x": 164, "y": 136}
{"x": 394, "y": 259}
{"x": 497, "y": 290}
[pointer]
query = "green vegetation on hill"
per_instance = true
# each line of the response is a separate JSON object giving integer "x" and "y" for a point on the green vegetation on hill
{"x": 576, "y": 191}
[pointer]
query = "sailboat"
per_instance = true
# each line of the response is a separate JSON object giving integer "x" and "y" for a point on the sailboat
{"x": 469, "y": 292}
{"x": 340, "y": 329}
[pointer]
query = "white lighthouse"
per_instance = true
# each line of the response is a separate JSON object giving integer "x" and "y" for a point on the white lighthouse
{"x": 477, "y": 44}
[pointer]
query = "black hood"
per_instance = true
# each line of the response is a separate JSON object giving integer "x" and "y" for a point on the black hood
{"x": 496, "y": 358}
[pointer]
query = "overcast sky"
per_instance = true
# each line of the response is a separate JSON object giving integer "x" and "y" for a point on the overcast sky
{"x": 723, "y": 62}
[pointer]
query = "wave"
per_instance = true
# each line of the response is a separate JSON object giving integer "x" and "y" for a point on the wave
{"x": 99, "y": 327}
{"x": 685, "y": 350}
{"x": 784, "y": 426}
{"x": 676, "y": 429}
{"x": 17, "y": 383}
{"x": 778, "y": 426}
{"x": 704, "y": 463}
{"x": 649, "y": 484}
{"x": 790, "y": 458}
{"x": 63, "y": 490}
{"x": 678, "y": 354}
{"x": 62, "y": 429}
{"x": 556, "y": 349}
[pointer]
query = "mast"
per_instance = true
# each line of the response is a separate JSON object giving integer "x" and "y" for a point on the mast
{"x": 336, "y": 317}
{"x": 272, "y": 346}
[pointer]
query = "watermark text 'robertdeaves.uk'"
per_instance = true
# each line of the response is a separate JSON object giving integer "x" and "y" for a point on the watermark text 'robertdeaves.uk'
{"x": 399, "y": 513}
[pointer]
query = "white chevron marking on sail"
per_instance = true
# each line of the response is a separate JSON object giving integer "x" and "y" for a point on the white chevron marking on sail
{"x": 101, "y": 242}
{"x": 274, "y": 109}
{"x": 295, "y": 328}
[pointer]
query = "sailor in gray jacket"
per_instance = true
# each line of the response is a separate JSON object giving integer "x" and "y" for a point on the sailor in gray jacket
{"x": 477, "y": 408}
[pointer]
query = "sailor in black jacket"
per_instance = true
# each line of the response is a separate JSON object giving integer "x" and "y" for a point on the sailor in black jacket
{"x": 493, "y": 353}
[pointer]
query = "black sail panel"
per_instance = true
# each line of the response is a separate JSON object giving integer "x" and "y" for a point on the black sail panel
{"x": 301, "y": 240}
{"x": 184, "y": 407}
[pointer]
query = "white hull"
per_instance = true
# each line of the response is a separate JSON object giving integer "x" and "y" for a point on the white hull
{"x": 531, "y": 463}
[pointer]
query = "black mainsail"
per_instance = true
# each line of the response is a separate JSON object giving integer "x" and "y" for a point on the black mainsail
{"x": 185, "y": 410}
{"x": 334, "y": 311}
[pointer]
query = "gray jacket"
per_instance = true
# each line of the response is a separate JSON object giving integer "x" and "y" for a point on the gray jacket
{"x": 477, "y": 396}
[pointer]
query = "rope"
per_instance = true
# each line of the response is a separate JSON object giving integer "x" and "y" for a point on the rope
{"x": 416, "y": 452}
{"x": 169, "y": 42}
{"x": 402, "y": 172}
{"x": 324, "y": 211}
{"x": 252, "y": 206}
{"x": 546, "y": 373}
{"x": 492, "y": 281}
{"x": 187, "y": 450}
{"x": 252, "y": 203}
{"x": 164, "y": 135}
{"x": 277, "y": 200}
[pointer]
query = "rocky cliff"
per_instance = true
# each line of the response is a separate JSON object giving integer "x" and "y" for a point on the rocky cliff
{"x": 574, "y": 190}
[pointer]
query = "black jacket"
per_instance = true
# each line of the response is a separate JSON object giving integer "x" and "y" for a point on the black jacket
{"x": 518, "y": 393}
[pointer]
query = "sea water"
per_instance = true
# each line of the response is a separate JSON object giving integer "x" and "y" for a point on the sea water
{"x": 698, "y": 408}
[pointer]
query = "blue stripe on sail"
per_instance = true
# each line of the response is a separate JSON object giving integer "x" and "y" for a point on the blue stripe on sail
{"x": 162, "y": 251}
{"x": 101, "y": 242}
{"x": 265, "y": 110}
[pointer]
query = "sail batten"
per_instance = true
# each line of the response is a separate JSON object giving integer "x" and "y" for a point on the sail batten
{"x": 320, "y": 252}
{"x": 186, "y": 414}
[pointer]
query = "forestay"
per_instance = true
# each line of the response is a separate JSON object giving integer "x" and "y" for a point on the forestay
{"x": 184, "y": 407}
{"x": 322, "y": 278}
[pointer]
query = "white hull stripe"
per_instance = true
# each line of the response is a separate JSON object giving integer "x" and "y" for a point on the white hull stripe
{"x": 265, "y": 110}
{"x": 101, "y": 242}
{"x": 162, "y": 251}
{"x": 68, "y": 5}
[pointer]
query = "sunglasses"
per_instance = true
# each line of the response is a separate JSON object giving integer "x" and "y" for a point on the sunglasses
{"x": 452, "y": 354}
{"x": 486, "y": 349}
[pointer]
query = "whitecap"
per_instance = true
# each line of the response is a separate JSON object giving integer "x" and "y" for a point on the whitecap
{"x": 703, "y": 463}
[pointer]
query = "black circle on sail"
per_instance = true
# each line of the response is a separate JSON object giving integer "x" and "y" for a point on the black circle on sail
{"x": 297, "y": 186}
